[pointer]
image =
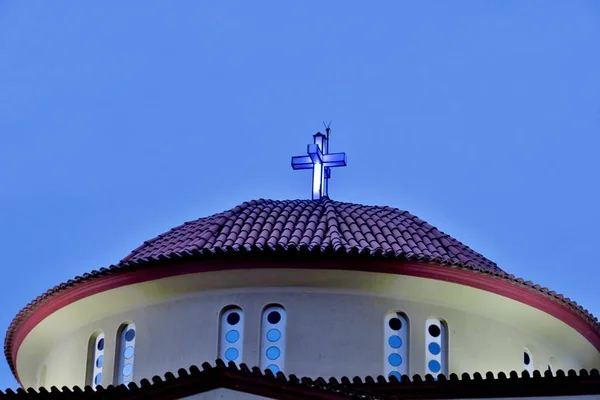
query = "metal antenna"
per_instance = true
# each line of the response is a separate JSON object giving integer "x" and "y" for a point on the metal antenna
{"x": 327, "y": 128}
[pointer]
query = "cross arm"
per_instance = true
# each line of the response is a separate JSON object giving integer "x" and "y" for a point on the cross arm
{"x": 334, "y": 160}
{"x": 302, "y": 162}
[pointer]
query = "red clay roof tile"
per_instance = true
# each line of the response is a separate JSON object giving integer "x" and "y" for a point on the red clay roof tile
{"x": 314, "y": 224}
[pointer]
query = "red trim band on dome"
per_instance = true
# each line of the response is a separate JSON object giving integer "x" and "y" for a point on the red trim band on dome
{"x": 512, "y": 289}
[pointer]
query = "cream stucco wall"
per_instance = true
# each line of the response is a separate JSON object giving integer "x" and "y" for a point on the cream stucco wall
{"x": 335, "y": 325}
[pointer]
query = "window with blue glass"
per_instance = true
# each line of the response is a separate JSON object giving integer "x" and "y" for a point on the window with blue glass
{"x": 231, "y": 332}
{"x": 436, "y": 347}
{"x": 272, "y": 340}
{"x": 95, "y": 362}
{"x": 125, "y": 355}
{"x": 395, "y": 344}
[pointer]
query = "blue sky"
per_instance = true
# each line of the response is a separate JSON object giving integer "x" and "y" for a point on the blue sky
{"x": 119, "y": 120}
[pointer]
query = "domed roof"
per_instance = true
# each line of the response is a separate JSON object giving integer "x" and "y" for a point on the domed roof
{"x": 286, "y": 228}
{"x": 315, "y": 225}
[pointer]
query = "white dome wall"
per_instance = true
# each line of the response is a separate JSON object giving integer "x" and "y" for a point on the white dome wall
{"x": 335, "y": 325}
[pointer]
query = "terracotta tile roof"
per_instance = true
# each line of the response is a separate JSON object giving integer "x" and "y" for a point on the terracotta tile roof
{"x": 342, "y": 229}
{"x": 315, "y": 225}
{"x": 254, "y": 381}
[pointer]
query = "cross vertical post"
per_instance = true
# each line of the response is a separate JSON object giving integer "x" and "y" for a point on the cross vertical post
{"x": 320, "y": 161}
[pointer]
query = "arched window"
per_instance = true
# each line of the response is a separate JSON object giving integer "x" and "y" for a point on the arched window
{"x": 436, "y": 343}
{"x": 528, "y": 360}
{"x": 272, "y": 338}
{"x": 231, "y": 334}
{"x": 125, "y": 354}
{"x": 396, "y": 345}
{"x": 95, "y": 361}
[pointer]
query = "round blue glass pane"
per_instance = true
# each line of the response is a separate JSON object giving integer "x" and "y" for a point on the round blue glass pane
{"x": 273, "y": 353}
{"x": 231, "y": 354}
{"x": 98, "y": 379}
{"x": 127, "y": 369}
{"x": 128, "y": 353}
{"x": 434, "y": 366}
{"x": 99, "y": 361}
{"x": 101, "y": 344}
{"x": 130, "y": 335}
{"x": 395, "y": 341}
{"x": 395, "y": 360}
{"x": 434, "y": 348}
{"x": 232, "y": 336}
{"x": 274, "y": 368}
{"x": 273, "y": 335}
{"x": 396, "y": 374}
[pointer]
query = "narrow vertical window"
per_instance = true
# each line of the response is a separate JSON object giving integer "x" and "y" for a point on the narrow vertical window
{"x": 436, "y": 342}
{"x": 272, "y": 339}
{"x": 396, "y": 345}
{"x": 126, "y": 336}
{"x": 231, "y": 331}
{"x": 528, "y": 360}
{"x": 95, "y": 359}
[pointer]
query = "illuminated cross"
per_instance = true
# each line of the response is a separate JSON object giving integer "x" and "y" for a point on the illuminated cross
{"x": 321, "y": 162}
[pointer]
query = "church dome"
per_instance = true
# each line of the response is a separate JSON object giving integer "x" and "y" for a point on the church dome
{"x": 287, "y": 286}
{"x": 323, "y": 260}
{"x": 280, "y": 226}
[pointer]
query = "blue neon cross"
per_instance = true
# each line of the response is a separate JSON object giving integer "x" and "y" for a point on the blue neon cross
{"x": 321, "y": 162}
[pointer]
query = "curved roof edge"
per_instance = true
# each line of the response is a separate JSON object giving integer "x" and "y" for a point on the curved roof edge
{"x": 297, "y": 255}
{"x": 192, "y": 381}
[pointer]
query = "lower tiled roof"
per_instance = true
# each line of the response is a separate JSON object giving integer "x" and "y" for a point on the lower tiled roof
{"x": 315, "y": 225}
{"x": 254, "y": 381}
